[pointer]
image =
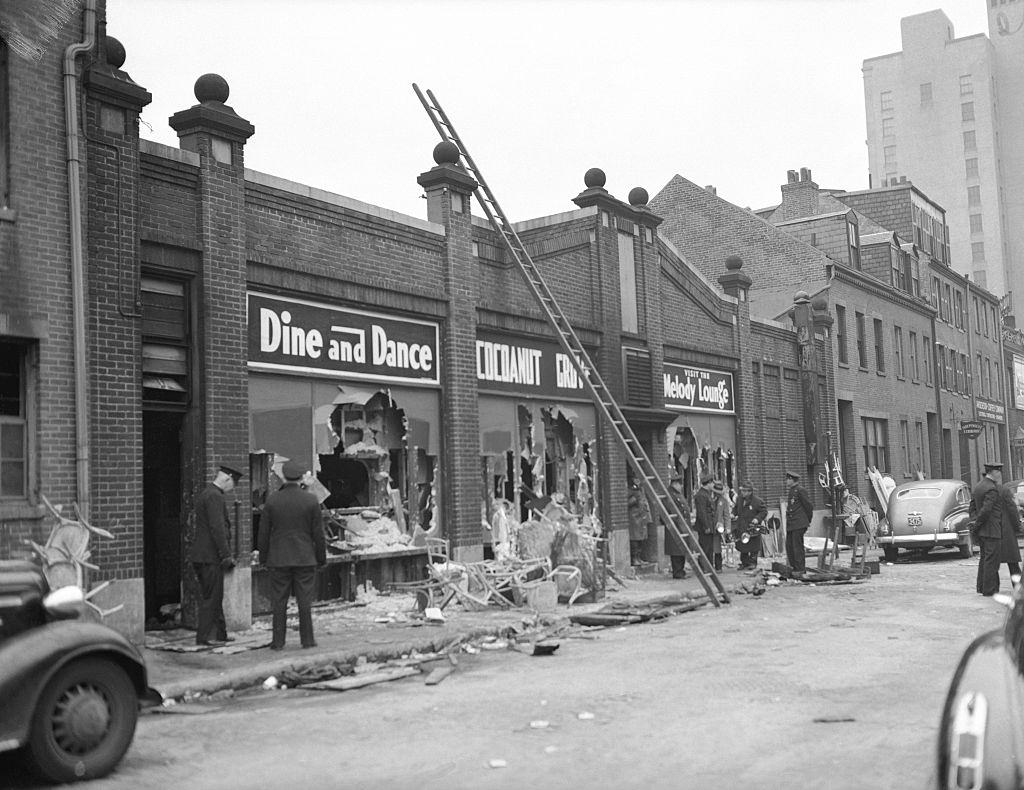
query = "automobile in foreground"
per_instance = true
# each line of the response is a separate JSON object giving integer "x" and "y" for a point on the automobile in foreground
{"x": 926, "y": 514}
{"x": 70, "y": 690}
{"x": 981, "y": 732}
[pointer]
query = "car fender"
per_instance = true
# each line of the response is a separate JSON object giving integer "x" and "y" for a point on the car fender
{"x": 30, "y": 659}
{"x": 987, "y": 669}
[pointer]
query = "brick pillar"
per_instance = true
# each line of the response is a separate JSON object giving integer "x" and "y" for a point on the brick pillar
{"x": 736, "y": 283}
{"x": 449, "y": 189}
{"x": 219, "y": 428}
{"x": 112, "y": 110}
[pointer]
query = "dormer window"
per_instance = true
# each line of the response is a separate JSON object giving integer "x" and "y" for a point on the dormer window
{"x": 853, "y": 237}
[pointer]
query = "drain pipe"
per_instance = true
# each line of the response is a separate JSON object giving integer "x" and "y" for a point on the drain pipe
{"x": 78, "y": 293}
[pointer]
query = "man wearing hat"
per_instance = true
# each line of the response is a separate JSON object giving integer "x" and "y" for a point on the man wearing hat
{"x": 211, "y": 556}
{"x": 704, "y": 502}
{"x": 799, "y": 512}
{"x": 995, "y": 528}
{"x": 673, "y": 546}
{"x": 750, "y": 513}
{"x": 292, "y": 543}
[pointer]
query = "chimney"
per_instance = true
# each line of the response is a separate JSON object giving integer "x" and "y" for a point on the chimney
{"x": 711, "y": 189}
{"x": 799, "y": 196}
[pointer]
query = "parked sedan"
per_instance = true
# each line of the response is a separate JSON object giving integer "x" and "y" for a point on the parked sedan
{"x": 927, "y": 514}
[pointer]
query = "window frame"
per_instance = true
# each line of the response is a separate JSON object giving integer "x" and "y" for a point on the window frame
{"x": 876, "y": 443}
{"x": 24, "y": 360}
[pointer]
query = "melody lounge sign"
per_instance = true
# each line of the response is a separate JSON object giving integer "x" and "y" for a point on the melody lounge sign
{"x": 698, "y": 389}
{"x": 298, "y": 336}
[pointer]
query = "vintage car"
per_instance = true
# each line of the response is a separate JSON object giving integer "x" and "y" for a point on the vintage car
{"x": 927, "y": 514}
{"x": 981, "y": 740}
{"x": 70, "y": 690}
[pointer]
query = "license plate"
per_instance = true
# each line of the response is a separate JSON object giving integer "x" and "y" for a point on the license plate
{"x": 914, "y": 521}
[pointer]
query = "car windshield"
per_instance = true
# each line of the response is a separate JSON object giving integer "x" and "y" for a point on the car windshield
{"x": 930, "y": 492}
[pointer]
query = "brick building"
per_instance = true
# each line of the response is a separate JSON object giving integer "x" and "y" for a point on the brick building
{"x": 231, "y": 316}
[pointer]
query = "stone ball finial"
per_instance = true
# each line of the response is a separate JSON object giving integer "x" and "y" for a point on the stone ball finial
{"x": 638, "y": 196}
{"x": 446, "y": 153}
{"x": 801, "y": 296}
{"x": 115, "y": 51}
{"x": 594, "y": 178}
{"x": 820, "y": 303}
{"x": 734, "y": 263}
{"x": 212, "y": 87}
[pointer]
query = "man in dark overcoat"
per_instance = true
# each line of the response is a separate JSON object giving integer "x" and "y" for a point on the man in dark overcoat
{"x": 799, "y": 512}
{"x": 673, "y": 547}
{"x": 750, "y": 513}
{"x": 995, "y": 525}
{"x": 210, "y": 554}
{"x": 704, "y": 505}
{"x": 292, "y": 544}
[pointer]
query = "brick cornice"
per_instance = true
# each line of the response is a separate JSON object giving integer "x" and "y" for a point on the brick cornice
{"x": 878, "y": 288}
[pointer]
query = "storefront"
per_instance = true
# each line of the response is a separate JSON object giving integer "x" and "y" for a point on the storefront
{"x": 355, "y": 396}
{"x": 991, "y": 444}
{"x": 703, "y": 437}
{"x": 538, "y": 430}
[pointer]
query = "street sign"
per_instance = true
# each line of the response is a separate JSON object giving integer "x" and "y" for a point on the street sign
{"x": 971, "y": 428}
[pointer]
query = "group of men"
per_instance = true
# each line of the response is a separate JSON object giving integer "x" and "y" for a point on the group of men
{"x": 712, "y": 516}
{"x": 291, "y": 542}
{"x": 995, "y": 527}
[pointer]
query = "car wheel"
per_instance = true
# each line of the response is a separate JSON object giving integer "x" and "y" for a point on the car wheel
{"x": 890, "y": 553}
{"x": 967, "y": 548}
{"x": 84, "y": 721}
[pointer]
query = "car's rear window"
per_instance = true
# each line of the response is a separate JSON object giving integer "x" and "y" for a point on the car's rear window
{"x": 920, "y": 493}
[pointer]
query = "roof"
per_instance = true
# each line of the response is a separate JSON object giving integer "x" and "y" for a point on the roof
{"x": 707, "y": 229}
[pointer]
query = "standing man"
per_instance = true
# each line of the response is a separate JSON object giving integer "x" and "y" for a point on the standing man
{"x": 639, "y": 512}
{"x": 750, "y": 513}
{"x": 799, "y": 511}
{"x": 704, "y": 505}
{"x": 211, "y": 556}
{"x": 673, "y": 547}
{"x": 995, "y": 526}
{"x": 293, "y": 545}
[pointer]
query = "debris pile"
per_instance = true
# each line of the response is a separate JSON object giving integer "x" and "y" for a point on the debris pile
{"x": 365, "y": 531}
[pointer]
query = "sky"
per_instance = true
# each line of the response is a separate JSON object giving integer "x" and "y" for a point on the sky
{"x": 729, "y": 93}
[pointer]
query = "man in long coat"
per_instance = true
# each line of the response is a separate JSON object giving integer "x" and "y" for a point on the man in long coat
{"x": 704, "y": 505}
{"x": 210, "y": 554}
{"x": 995, "y": 527}
{"x": 293, "y": 545}
{"x": 673, "y": 547}
{"x": 750, "y": 513}
{"x": 799, "y": 511}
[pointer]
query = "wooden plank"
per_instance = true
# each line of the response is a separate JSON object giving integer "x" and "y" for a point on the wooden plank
{"x": 358, "y": 681}
{"x": 437, "y": 675}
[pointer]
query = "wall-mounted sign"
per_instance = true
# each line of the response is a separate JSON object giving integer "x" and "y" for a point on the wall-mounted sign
{"x": 698, "y": 389}
{"x": 991, "y": 411}
{"x": 515, "y": 364}
{"x": 299, "y": 336}
{"x": 1018, "y": 381}
{"x": 971, "y": 428}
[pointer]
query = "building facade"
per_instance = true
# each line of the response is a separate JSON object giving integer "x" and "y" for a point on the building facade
{"x": 945, "y": 112}
{"x": 171, "y": 310}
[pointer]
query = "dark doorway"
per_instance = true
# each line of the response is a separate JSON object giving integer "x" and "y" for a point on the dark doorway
{"x": 947, "y": 453}
{"x": 161, "y": 509}
{"x": 965, "y": 460}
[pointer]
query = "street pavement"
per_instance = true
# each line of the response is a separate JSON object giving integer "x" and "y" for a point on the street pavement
{"x": 829, "y": 686}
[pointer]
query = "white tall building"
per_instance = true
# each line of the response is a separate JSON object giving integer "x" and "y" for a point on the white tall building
{"x": 947, "y": 114}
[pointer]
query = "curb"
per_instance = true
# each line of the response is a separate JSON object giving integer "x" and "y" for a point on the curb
{"x": 255, "y": 674}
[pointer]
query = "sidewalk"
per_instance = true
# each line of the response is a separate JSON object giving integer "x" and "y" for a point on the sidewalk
{"x": 345, "y": 632}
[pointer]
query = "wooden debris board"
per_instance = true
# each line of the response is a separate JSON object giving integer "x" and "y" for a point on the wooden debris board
{"x": 358, "y": 681}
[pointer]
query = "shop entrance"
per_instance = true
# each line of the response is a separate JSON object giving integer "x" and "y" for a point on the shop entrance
{"x": 161, "y": 509}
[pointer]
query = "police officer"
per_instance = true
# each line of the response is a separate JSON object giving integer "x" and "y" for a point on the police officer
{"x": 750, "y": 513}
{"x": 211, "y": 556}
{"x": 995, "y": 528}
{"x": 799, "y": 511}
